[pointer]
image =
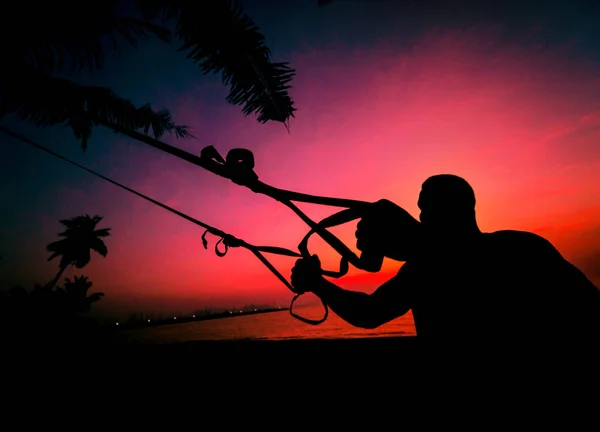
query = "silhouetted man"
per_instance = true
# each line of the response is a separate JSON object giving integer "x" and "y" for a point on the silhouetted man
{"x": 457, "y": 280}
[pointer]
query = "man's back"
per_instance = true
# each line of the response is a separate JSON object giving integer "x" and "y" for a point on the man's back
{"x": 504, "y": 284}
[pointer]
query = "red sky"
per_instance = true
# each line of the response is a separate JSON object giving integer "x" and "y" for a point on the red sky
{"x": 520, "y": 123}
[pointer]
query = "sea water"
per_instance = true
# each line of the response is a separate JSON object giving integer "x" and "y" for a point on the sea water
{"x": 270, "y": 326}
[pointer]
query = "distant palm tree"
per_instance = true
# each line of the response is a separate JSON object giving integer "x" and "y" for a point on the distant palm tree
{"x": 76, "y": 296}
{"x": 41, "y": 41}
{"x": 80, "y": 237}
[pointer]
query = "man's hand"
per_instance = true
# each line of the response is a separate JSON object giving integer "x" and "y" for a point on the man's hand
{"x": 389, "y": 230}
{"x": 306, "y": 274}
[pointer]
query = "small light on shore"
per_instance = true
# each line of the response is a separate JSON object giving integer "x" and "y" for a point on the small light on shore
{"x": 117, "y": 323}
{"x": 148, "y": 320}
{"x": 174, "y": 317}
{"x": 230, "y": 312}
{"x": 193, "y": 316}
{"x": 241, "y": 311}
{"x": 255, "y": 310}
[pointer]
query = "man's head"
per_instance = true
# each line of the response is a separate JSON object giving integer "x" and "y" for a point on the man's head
{"x": 447, "y": 204}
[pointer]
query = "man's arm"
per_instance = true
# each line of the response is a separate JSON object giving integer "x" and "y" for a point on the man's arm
{"x": 391, "y": 300}
{"x": 547, "y": 257}
{"x": 570, "y": 276}
{"x": 557, "y": 281}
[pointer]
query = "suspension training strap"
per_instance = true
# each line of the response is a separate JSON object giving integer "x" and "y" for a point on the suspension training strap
{"x": 226, "y": 239}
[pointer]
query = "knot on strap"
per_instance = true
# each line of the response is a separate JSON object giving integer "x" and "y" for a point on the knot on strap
{"x": 240, "y": 165}
{"x": 231, "y": 241}
{"x": 227, "y": 240}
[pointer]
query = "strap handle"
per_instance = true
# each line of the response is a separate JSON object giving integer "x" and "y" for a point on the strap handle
{"x": 307, "y": 320}
{"x": 348, "y": 257}
{"x": 339, "y": 218}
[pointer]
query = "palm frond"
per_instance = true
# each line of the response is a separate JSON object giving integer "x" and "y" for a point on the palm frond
{"x": 68, "y": 222}
{"x": 57, "y": 246}
{"x": 47, "y": 101}
{"x": 219, "y": 37}
{"x": 54, "y": 255}
{"x": 75, "y": 34}
{"x": 155, "y": 10}
{"x": 132, "y": 29}
{"x": 104, "y": 232}
{"x": 98, "y": 245}
{"x": 95, "y": 220}
{"x": 69, "y": 283}
{"x": 78, "y": 287}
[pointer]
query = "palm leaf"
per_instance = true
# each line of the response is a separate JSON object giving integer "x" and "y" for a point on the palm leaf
{"x": 68, "y": 222}
{"x": 98, "y": 245}
{"x": 102, "y": 232}
{"x": 58, "y": 247}
{"x": 219, "y": 37}
{"x": 53, "y": 36}
{"x": 54, "y": 255}
{"x": 47, "y": 101}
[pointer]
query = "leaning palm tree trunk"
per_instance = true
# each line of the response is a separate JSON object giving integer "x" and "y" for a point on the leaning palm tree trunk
{"x": 54, "y": 281}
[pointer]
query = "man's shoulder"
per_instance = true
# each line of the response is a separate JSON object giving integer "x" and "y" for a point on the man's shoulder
{"x": 523, "y": 240}
{"x": 514, "y": 235}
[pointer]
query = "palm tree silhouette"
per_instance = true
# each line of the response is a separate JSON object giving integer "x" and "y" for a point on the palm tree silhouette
{"x": 80, "y": 237}
{"x": 40, "y": 42}
{"x": 75, "y": 295}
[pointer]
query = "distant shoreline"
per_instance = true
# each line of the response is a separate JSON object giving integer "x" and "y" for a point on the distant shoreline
{"x": 194, "y": 318}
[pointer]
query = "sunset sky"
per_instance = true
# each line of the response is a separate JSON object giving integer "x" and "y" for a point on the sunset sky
{"x": 388, "y": 93}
